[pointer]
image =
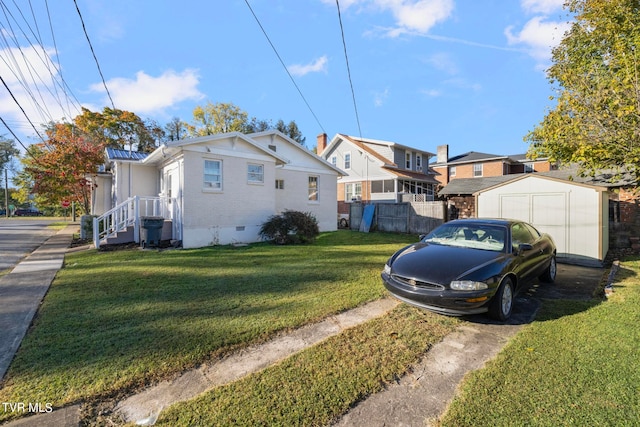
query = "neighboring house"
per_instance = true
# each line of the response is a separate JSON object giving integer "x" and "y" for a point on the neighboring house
{"x": 217, "y": 189}
{"x": 377, "y": 171}
{"x": 481, "y": 165}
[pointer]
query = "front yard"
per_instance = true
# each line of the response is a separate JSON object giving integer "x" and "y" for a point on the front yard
{"x": 115, "y": 322}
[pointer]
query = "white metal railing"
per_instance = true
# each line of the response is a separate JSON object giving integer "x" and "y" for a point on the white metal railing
{"x": 127, "y": 214}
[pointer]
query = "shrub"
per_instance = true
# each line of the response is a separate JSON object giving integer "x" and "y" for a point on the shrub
{"x": 290, "y": 227}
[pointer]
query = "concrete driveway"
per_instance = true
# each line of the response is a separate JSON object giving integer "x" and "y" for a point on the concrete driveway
{"x": 20, "y": 237}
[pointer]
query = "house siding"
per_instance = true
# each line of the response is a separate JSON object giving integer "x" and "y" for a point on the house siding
{"x": 232, "y": 215}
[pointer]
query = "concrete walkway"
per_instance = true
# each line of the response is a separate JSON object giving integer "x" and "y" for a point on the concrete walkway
{"x": 22, "y": 290}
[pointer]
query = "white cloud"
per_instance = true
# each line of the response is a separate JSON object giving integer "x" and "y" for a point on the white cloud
{"x": 539, "y": 36}
{"x": 147, "y": 95}
{"x": 34, "y": 83}
{"x": 444, "y": 62}
{"x": 541, "y": 6}
{"x": 319, "y": 65}
{"x": 433, "y": 93}
{"x": 379, "y": 98}
{"x": 411, "y": 16}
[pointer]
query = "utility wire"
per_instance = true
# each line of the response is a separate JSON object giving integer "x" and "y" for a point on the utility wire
{"x": 94, "y": 54}
{"x": 346, "y": 57}
{"x": 21, "y": 109}
{"x": 285, "y": 67}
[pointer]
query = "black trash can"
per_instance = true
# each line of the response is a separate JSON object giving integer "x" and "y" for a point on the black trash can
{"x": 150, "y": 231}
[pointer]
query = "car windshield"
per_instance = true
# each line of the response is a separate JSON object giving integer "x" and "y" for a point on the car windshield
{"x": 476, "y": 236}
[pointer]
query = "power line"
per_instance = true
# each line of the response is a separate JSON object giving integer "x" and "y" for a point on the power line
{"x": 285, "y": 67}
{"x": 346, "y": 58}
{"x": 94, "y": 54}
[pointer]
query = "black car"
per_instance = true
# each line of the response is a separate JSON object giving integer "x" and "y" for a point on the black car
{"x": 470, "y": 266}
{"x": 27, "y": 212}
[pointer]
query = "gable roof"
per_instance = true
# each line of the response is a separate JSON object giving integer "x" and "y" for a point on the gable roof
{"x": 468, "y": 186}
{"x": 364, "y": 144}
{"x": 297, "y": 146}
{"x": 173, "y": 147}
{"x": 475, "y": 156}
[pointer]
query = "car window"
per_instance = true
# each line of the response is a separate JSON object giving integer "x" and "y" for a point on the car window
{"x": 520, "y": 234}
{"x": 476, "y": 236}
{"x": 535, "y": 233}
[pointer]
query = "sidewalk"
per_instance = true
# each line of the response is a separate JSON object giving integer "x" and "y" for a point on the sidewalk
{"x": 22, "y": 290}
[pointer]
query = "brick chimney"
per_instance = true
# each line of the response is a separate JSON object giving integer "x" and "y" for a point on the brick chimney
{"x": 322, "y": 143}
{"x": 442, "y": 153}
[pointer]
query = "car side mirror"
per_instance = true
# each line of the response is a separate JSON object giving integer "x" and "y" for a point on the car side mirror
{"x": 422, "y": 236}
{"x": 525, "y": 247}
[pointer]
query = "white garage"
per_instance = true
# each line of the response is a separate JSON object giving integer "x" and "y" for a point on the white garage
{"x": 575, "y": 215}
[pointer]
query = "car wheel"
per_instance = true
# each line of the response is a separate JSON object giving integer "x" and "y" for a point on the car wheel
{"x": 549, "y": 274}
{"x": 502, "y": 302}
{"x": 343, "y": 223}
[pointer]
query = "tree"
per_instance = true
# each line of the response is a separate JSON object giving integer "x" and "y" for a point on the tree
{"x": 217, "y": 118}
{"x": 61, "y": 168}
{"x": 596, "y": 122}
{"x": 7, "y": 152}
{"x": 118, "y": 128}
{"x": 176, "y": 129}
{"x": 292, "y": 131}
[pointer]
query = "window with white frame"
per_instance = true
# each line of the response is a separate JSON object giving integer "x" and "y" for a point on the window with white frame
{"x": 255, "y": 173}
{"x": 477, "y": 169}
{"x": 407, "y": 160}
{"x": 347, "y": 161}
{"x": 528, "y": 167}
{"x": 334, "y": 160}
{"x": 353, "y": 191}
{"x": 452, "y": 171}
{"x": 279, "y": 184}
{"x": 213, "y": 174}
{"x": 418, "y": 162}
{"x": 314, "y": 195}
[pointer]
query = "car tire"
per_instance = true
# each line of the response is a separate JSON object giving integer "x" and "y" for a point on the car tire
{"x": 502, "y": 303}
{"x": 343, "y": 223}
{"x": 549, "y": 275}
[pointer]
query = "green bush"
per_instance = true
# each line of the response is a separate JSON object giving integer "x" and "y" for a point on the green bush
{"x": 290, "y": 227}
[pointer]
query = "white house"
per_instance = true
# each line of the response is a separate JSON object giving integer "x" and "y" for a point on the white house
{"x": 217, "y": 189}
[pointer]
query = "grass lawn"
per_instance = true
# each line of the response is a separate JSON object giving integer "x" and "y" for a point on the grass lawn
{"x": 577, "y": 365}
{"x": 114, "y": 322}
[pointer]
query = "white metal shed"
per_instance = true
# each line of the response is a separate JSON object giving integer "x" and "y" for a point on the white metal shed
{"x": 575, "y": 215}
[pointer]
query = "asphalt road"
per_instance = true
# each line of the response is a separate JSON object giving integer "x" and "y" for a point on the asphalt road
{"x": 20, "y": 237}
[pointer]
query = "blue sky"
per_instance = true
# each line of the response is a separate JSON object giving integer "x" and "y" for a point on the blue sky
{"x": 424, "y": 72}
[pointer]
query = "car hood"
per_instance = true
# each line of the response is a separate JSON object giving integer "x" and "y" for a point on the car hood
{"x": 440, "y": 264}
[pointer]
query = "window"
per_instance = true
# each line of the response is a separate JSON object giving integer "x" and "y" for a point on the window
{"x": 353, "y": 192}
{"x": 407, "y": 160}
{"x": 279, "y": 184}
{"x": 213, "y": 174}
{"x": 477, "y": 169}
{"x": 520, "y": 234}
{"x": 528, "y": 167}
{"x": 452, "y": 171}
{"x": 313, "y": 189}
{"x": 255, "y": 173}
{"x": 385, "y": 186}
{"x": 347, "y": 160}
{"x": 334, "y": 161}
{"x": 418, "y": 162}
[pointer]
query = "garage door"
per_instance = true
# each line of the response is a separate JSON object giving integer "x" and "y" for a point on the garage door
{"x": 546, "y": 211}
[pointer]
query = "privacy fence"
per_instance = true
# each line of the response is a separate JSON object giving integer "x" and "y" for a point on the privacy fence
{"x": 410, "y": 217}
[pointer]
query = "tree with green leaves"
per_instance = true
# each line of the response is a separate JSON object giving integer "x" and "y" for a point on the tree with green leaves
{"x": 596, "y": 122}
{"x": 118, "y": 128}
{"x": 292, "y": 131}
{"x": 8, "y": 152}
{"x": 217, "y": 118}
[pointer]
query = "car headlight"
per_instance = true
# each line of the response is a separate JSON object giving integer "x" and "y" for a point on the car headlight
{"x": 387, "y": 269}
{"x": 468, "y": 285}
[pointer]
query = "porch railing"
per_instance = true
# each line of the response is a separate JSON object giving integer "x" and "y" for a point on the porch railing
{"x": 127, "y": 214}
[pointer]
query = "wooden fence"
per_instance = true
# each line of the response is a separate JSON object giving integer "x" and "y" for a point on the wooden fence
{"x": 411, "y": 217}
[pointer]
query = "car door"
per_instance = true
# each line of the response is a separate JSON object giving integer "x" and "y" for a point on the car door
{"x": 528, "y": 258}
